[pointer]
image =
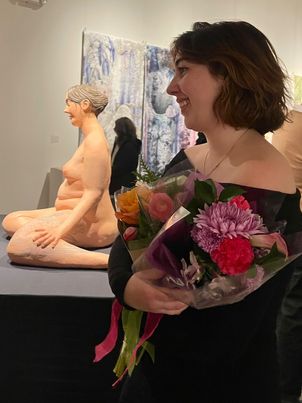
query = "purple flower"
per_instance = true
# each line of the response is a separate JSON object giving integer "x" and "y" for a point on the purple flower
{"x": 205, "y": 239}
{"x": 189, "y": 275}
{"x": 224, "y": 220}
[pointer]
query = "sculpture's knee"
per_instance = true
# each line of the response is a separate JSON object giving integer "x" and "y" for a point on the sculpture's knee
{"x": 19, "y": 250}
{"x": 12, "y": 222}
{"x": 6, "y": 224}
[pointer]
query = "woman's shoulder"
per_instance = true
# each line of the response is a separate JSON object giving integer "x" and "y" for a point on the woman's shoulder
{"x": 268, "y": 168}
{"x": 196, "y": 154}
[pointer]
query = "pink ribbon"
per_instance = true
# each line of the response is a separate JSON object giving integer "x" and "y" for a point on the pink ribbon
{"x": 106, "y": 346}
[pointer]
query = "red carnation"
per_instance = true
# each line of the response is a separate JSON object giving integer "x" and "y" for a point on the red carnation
{"x": 241, "y": 202}
{"x": 233, "y": 256}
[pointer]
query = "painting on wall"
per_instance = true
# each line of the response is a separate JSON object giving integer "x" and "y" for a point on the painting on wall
{"x": 164, "y": 129}
{"x": 135, "y": 78}
{"x": 116, "y": 66}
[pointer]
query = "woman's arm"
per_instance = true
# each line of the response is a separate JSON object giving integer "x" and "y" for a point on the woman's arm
{"x": 133, "y": 290}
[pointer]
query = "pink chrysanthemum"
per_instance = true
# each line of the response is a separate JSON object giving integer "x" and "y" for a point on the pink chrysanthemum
{"x": 224, "y": 220}
{"x": 205, "y": 239}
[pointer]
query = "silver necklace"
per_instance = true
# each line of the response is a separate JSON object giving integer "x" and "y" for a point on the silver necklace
{"x": 223, "y": 158}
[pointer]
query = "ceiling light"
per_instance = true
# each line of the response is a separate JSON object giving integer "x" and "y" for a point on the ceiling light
{"x": 33, "y": 4}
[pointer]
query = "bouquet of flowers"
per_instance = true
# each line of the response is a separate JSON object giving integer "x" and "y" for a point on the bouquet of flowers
{"x": 208, "y": 241}
{"x": 143, "y": 210}
{"x": 216, "y": 250}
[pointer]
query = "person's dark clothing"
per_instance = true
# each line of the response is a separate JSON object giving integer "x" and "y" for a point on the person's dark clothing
{"x": 225, "y": 354}
{"x": 289, "y": 334}
{"x": 124, "y": 164}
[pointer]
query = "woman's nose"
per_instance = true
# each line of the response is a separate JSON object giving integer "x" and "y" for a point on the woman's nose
{"x": 172, "y": 87}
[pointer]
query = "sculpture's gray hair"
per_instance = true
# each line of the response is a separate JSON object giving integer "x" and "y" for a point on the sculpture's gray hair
{"x": 97, "y": 98}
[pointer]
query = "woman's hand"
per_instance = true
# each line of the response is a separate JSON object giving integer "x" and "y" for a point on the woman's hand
{"x": 47, "y": 237}
{"x": 145, "y": 297}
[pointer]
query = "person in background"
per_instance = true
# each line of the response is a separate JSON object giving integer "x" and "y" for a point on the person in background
{"x": 125, "y": 155}
{"x": 288, "y": 140}
{"x": 230, "y": 86}
{"x": 83, "y": 215}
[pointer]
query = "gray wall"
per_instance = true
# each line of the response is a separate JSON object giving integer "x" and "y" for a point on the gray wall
{"x": 41, "y": 58}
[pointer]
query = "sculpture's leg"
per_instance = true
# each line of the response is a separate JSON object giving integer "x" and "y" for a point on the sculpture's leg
{"x": 22, "y": 250}
{"x": 15, "y": 220}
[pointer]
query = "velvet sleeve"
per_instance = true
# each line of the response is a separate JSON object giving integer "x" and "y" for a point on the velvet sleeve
{"x": 119, "y": 269}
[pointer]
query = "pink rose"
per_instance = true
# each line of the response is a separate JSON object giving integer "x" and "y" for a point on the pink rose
{"x": 240, "y": 202}
{"x": 268, "y": 240}
{"x": 160, "y": 206}
{"x": 130, "y": 234}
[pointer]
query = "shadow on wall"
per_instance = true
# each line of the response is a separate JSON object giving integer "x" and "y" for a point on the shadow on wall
{"x": 49, "y": 191}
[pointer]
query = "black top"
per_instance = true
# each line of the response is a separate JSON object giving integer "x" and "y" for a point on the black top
{"x": 232, "y": 346}
{"x": 125, "y": 164}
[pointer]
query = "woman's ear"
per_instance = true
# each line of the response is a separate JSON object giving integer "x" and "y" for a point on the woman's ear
{"x": 85, "y": 105}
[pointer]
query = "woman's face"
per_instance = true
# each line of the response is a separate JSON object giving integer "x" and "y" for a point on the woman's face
{"x": 75, "y": 112}
{"x": 196, "y": 90}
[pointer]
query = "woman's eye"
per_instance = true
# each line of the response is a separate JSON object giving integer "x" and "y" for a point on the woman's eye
{"x": 182, "y": 70}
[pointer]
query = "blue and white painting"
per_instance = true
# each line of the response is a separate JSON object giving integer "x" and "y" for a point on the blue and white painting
{"x": 164, "y": 129}
{"x": 115, "y": 65}
{"x": 135, "y": 78}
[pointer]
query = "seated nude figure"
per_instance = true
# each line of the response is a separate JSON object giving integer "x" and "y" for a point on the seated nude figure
{"x": 83, "y": 215}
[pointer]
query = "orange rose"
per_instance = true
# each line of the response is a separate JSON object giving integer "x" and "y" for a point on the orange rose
{"x": 144, "y": 194}
{"x": 127, "y": 206}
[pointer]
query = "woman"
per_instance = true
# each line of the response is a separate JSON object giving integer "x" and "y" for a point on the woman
{"x": 125, "y": 153}
{"x": 83, "y": 216}
{"x": 229, "y": 85}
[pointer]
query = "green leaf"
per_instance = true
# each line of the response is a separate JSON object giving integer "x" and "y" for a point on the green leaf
{"x": 148, "y": 348}
{"x": 229, "y": 192}
{"x": 272, "y": 261}
{"x": 272, "y": 255}
{"x": 139, "y": 243}
{"x": 205, "y": 191}
{"x": 145, "y": 174}
{"x": 193, "y": 207}
{"x": 251, "y": 273}
{"x": 131, "y": 321}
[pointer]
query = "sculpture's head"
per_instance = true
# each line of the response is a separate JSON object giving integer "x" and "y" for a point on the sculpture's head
{"x": 96, "y": 99}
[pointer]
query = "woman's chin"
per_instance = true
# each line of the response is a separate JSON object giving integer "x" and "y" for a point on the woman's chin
{"x": 191, "y": 125}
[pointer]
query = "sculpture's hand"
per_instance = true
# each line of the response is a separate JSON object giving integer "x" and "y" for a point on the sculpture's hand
{"x": 141, "y": 294}
{"x": 47, "y": 237}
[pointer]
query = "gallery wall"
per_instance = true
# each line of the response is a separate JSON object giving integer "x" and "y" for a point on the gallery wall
{"x": 41, "y": 58}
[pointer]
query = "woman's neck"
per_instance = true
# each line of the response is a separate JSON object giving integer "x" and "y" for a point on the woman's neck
{"x": 222, "y": 137}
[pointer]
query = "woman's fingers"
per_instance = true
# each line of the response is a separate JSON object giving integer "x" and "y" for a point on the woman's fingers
{"x": 143, "y": 296}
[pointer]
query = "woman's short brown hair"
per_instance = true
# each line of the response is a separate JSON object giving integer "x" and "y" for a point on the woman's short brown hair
{"x": 254, "y": 92}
